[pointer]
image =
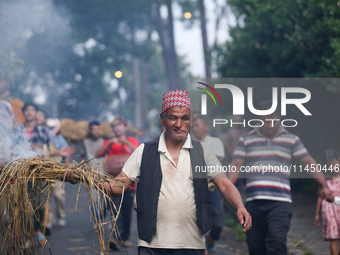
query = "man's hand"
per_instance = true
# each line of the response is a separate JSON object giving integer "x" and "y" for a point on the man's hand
{"x": 244, "y": 219}
{"x": 123, "y": 139}
{"x": 325, "y": 193}
{"x": 330, "y": 197}
{"x": 114, "y": 140}
{"x": 66, "y": 151}
{"x": 69, "y": 177}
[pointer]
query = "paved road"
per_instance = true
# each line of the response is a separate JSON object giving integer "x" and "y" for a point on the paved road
{"x": 78, "y": 238}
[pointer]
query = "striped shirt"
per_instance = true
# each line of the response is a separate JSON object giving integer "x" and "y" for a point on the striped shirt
{"x": 266, "y": 163}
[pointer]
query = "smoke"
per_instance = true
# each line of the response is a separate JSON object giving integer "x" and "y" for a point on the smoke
{"x": 21, "y": 20}
{"x": 13, "y": 143}
{"x": 36, "y": 32}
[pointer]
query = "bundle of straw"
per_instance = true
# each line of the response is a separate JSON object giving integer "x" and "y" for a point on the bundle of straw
{"x": 106, "y": 130}
{"x": 42, "y": 173}
{"x": 67, "y": 129}
{"x": 81, "y": 128}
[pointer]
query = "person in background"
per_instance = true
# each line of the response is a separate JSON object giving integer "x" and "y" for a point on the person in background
{"x": 268, "y": 198}
{"x": 39, "y": 138}
{"x": 162, "y": 129}
{"x": 90, "y": 146}
{"x": 233, "y": 135}
{"x": 200, "y": 131}
{"x": 116, "y": 148}
{"x": 59, "y": 143}
{"x": 143, "y": 136}
{"x": 58, "y": 151}
{"x": 330, "y": 212}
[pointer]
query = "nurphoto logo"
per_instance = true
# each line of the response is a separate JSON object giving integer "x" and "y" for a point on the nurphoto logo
{"x": 280, "y": 97}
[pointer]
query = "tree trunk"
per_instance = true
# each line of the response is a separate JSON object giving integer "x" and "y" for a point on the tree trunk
{"x": 138, "y": 95}
{"x": 166, "y": 37}
{"x": 172, "y": 56}
{"x": 207, "y": 53}
{"x": 144, "y": 92}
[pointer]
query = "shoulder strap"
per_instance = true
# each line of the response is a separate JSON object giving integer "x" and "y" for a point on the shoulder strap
{"x": 197, "y": 160}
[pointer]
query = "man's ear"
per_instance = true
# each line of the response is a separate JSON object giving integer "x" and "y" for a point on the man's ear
{"x": 161, "y": 119}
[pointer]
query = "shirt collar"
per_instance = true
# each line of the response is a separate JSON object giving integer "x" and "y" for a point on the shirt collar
{"x": 281, "y": 130}
{"x": 162, "y": 144}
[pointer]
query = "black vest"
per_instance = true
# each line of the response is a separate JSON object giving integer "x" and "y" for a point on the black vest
{"x": 149, "y": 185}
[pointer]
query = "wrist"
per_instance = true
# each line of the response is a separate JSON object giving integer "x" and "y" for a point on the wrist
{"x": 240, "y": 207}
{"x": 324, "y": 185}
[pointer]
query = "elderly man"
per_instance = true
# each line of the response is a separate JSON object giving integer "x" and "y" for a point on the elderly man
{"x": 173, "y": 207}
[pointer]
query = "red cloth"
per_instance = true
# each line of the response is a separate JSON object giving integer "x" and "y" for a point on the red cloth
{"x": 118, "y": 149}
{"x": 176, "y": 98}
{"x": 28, "y": 133}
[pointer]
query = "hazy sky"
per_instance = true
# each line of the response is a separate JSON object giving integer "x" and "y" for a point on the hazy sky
{"x": 189, "y": 41}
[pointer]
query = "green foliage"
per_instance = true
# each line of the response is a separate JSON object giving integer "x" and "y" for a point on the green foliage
{"x": 294, "y": 38}
{"x": 232, "y": 223}
{"x": 70, "y": 46}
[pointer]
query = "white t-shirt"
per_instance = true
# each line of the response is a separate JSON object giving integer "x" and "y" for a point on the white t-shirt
{"x": 215, "y": 144}
{"x": 176, "y": 226}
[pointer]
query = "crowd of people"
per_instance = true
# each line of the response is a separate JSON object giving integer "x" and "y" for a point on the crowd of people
{"x": 179, "y": 210}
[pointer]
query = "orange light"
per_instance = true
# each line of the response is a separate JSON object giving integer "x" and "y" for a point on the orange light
{"x": 187, "y": 15}
{"x": 118, "y": 74}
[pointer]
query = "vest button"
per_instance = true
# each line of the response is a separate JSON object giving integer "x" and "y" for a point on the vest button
{"x": 155, "y": 215}
{"x": 154, "y": 228}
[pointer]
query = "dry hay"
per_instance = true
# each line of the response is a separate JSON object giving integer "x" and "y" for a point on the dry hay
{"x": 17, "y": 201}
{"x": 74, "y": 130}
{"x": 81, "y": 128}
{"x": 67, "y": 127}
{"x": 106, "y": 130}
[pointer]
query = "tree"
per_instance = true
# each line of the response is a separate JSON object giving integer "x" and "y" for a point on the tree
{"x": 70, "y": 51}
{"x": 282, "y": 39}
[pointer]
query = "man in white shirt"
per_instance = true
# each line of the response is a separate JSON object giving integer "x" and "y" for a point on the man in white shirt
{"x": 200, "y": 130}
{"x": 172, "y": 201}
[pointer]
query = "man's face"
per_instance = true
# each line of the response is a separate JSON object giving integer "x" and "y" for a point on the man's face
{"x": 177, "y": 122}
{"x": 270, "y": 128}
{"x": 200, "y": 128}
{"x": 30, "y": 113}
{"x": 95, "y": 131}
{"x": 40, "y": 117}
{"x": 119, "y": 129}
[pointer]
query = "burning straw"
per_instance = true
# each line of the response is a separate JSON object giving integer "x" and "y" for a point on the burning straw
{"x": 17, "y": 203}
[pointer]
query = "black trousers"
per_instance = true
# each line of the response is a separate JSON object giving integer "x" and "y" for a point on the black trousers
{"x": 216, "y": 200}
{"x": 271, "y": 223}
{"x": 124, "y": 219}
{"x": 155, "y": 251}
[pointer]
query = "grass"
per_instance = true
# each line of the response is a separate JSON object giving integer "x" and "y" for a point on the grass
{"x": 232, "y": 223}
{"x": 304, "y": 249}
